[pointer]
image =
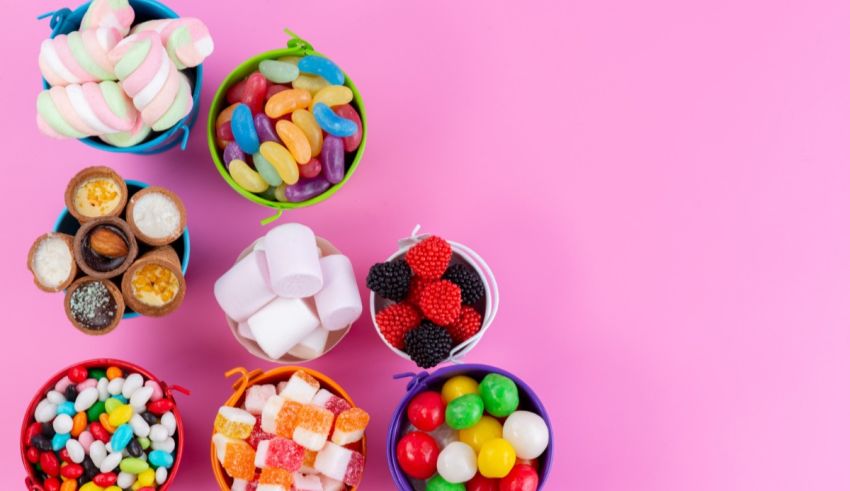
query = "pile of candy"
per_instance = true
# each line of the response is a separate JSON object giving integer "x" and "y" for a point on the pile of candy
{"x": 288, "y": 129}
{"x": 437, "y": 305}
{"x": 133, "y": 252}
{"x": 472, "y": 436}
{"x": 287, "y": 297}
{"x": 296, "y": 436}
{"x": 102, "y": 429}
{"x": 151, "y": 93}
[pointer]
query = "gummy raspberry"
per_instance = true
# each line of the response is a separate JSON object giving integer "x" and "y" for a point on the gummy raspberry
{"x": 440, "y": 302}
{"x": 471, "y": 286}
{"x": 467, "y": 325}
{"x": 390, "y": 280}
{"x": 417, "y": 284}
{"x": 428, "y": 344}
{"x": 395, "y": 321}
{"x": 429, "y": 258}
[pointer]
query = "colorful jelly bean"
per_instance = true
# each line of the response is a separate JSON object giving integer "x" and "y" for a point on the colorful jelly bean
{"x": 311, "y": 169}
{"x": 333, "y": 95}
{"x": 305, "y": 121}
{"x": 333, "y": 159}
{"x": 295, "y": 140}
{"x": 287, "y": 101}
{"x": 236, "y": 92}
{"x": 275, "y": 88}
{"x": 279, "y": 72}
{"x": 255, "y": 92}
{"x": 244, "y": 131}
{"x": 246, "y": 177}
{"x": 307, "y": 189}
{"x": 332, "y": 123}
{"x": 352, "y": 142}
{"x": 318, "y": 65}
{"x": 311, "y": 83}
{"x": 266, "y": 170}
{"x": 265, "y": 128}
{"x": 282, "y": 160}
{"x": 233, "y": 152}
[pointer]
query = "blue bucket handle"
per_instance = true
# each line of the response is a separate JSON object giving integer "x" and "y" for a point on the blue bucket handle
{"x": 57, "y": 18}
{"x": 185, "y": 140}
{"x": 416, "y": 379}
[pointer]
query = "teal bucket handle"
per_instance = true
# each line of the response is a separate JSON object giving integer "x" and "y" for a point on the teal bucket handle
{"x": 185, "y": 140}
{"x": 57, "y": 17}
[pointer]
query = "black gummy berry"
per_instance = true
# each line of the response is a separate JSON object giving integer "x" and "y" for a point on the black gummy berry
{"x": 471, "y": 286}
{"x": 390, "y": 280}
{"x": 428, "y": 344}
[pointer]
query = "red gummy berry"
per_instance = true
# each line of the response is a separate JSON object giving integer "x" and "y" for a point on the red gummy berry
{"x": 440, "y": 302}
{"x": 417, "y": 284}
{"x": 467, "y": 325}
{"x": 396, "y": 320}
{"x": 429, "y": 258}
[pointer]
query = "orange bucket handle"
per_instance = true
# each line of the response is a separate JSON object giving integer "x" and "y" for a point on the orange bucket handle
{"x": 241, "y": 385}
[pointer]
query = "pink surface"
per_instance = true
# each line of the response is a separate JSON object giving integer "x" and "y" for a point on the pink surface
{"x": 660, "y": 187}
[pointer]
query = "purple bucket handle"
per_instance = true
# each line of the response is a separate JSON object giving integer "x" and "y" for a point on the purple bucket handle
{"x": 423, "y": 380}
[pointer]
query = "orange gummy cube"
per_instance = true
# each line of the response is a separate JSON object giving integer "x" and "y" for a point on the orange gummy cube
{"x": 271, "y": 475}
{"x": 239, "y": 460}
{"x": 287, "y": 419}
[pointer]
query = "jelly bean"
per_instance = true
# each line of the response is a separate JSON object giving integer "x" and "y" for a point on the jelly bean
{"x": 71, "y": 471}
{"x": 90, "y": 486}
{"x": 457, "y": 462}
{"x": 134, "y": 466}
{"x": 527, "y": 433}
{"x": 47, "y": 430}
{"x": 49, "y": 463}
{"x": 102, "y": 392}
{"x": 51, "y": 484}
{"x": 113, "y": 373}
{"x": 42, "y": 443}
{"x": 111, "y": 404}
{"x": 78, "y": 374}
{"x": 76, "y": 452}
{"x": 70, "y": 392}
{"x": 352, "y": 142}
{"x": 64, "y": 456}
{"x": 133, "y": 383}
{"x": 99, "y": 432}
{"x": 97, "y": 453}
{"x": 66, "y": 408}
{"x": 150, "y": 418}
{"x": 280, "y": 193}
{"x": 417, "y": 454}
{"x": 140, "y": 398}
{"x": 279, "y": 72}
{"x": 286, "y": 101}
{"x": 96, "y": 410}
{"x": 496, "y": 458}
{"x": 520, "y": 478}
{"x": 86, "y": 384}
{"x": 140, "y": 426}
{"x": 333, "y": 159}
{"x": 439, "y": 483}
{"x": 265, "y": 128}
{"x": 457, "y": 386}
{"x": 318, "y": 65}
{"x": 232, "y": 152}
{"x": 481, "y": 483}
{"x": 111, "y": 462}
{"x": 283, "y": 162}
{"x": 121, "y": 398}
{"x": 146, "y": 478}
{"x": 274, "y": 89}
{"x": 236, "y": 92}
{"x": 244, "y": 132}
{"x": 248, "y": 179}
{"x": 79, "y": 424}
{"x": 158, "y": 458}
{"x": 307, "y": 189}
{"x": 134, "y": 448}
{"x": 295, "y": 140}
{"x": 266, "y": 170}
{"x": 122, "y": 436}
{"x": 500, "y": 395}
{"x": 62, "y": 384}
{"x": 311, "y": 83}
{"x": 157, "y": 389}
{"x": 55, "y": 397}
{"x": 145, "y": 443}
{"x": 486, "y": 429}
{"x": 86, "y": 399}
{"x": 333, "y": 95}
{"x": 158, "y": 433}
{"x": 70, "y": 485}
{"x": 255, "y": 92}
{"x": 97, "y": 373}
{"x": 225, "y": 116}
{"x": 427, "y": 411}
{"x": 115, "y": 386}
{"x": 464, "y": 411}
{"x": 311, "y": 169}
{"x": 105, "y": 479}
{"x": 31, "y": 454}
{"x": 59, "y": 440}
{"x": 331, "y": 123}
{"x": 168, "y": 445}
{"x": 161, "y": 475}
{"x": 305, "y": 121}
{"x": 32, "y": 430}
{"x": 104, "y": 421}
{"x": 170, "y": 422}
{"x": 86, "y": 439}
{"x": 224, "y": 135}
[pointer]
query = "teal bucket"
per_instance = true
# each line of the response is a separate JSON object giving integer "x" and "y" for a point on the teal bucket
{"x": 65, "y": 20}
{"x": 67, "y": 224}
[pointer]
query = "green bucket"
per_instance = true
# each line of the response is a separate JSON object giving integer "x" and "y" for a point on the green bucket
{"x": 295, "y": 47}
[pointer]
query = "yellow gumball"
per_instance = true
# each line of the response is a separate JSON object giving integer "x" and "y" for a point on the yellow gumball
{"x": 496, "y": 459}
{"x": 486, "y": 429}
{"x": 459, "y": 386}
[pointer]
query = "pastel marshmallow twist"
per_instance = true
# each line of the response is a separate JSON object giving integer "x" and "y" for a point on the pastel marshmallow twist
{"x": 78, "y": 57}
{"x": 117, "y": 14}
{"x": 90, "y": 109}
{"x": 187, "y": 39}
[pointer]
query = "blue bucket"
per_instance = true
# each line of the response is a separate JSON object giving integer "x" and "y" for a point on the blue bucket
{"x": 65, "y": 20}
{"x": 67, "y": 224}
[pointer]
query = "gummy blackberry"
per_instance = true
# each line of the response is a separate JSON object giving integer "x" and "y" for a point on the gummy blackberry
{"x": 471, "y": 286}
{"x": 390, "y": 280}
{"x": 428, "y": 344}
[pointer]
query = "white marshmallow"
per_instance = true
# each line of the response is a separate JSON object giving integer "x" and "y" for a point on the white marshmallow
{"x": 312, "y": 346}
{"x": 282, "y": 324}
{"x": 242, "y": 330}
{"x": 294, "y": 269}
{"x": 244, "y": 288}
{"x": 339, "y": 301}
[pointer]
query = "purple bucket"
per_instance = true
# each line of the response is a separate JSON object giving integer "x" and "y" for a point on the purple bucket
{"x": 423, "y": 381}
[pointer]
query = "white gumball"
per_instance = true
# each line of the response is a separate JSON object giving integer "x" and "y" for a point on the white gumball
{"x": 457, "y": 462}
{"x": 527, "y": 433}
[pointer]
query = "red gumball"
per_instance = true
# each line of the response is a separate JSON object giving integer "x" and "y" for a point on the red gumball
{"x": 417, "y": 454}
{"x": 481, "y": 483}
{"x": 534, "y": 463}
{"x": 520, "y": 478}
{"x": 427, "y": 411}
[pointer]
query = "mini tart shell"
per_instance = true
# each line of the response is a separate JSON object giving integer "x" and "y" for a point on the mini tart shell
{"x": 87, "y": 227}
{"x": 89, "y": 173}
{"x": 69, "y": 241}
{"x": 138, "y": 233}
{"x": 116, "y": 295}
{"x": 167, "y": 258}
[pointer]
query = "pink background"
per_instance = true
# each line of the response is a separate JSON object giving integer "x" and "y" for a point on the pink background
{"x": 660, "y": 187}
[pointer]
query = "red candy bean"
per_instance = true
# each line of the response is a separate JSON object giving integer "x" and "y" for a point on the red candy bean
{"x": 224, "y": 133}
{"x": 161, "y": 406}
{"x": 78, "y": 374}
{"x": 51, "y": 484}
{"x": 65, "y": 457}
{"x": 49, "y": 463}
{"x": 105, "y": 479}
{"x": 71, "y": 471}
{"x": 311, "y": 169}
{"x": 350, "y": 143}
{"x": 33, "y": 430}
{"x": 255, "y": 92}
{"x": 32, "y": 455}
{"x": 275, "y": 88}
{"x": 99, "y": 432}
{"x": 236, "y": 92}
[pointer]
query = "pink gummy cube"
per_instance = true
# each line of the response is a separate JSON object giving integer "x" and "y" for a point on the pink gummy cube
{"x": 335, "y": 404}
{"x": 340, "y": 464}
{"x": 307, "y": 483}
{"x": 258, "y": 435}
{"x": 279, "y": 453}
{"x": 257, "y": 396}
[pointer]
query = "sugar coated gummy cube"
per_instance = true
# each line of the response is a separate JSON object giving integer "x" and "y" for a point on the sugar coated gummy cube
{"x": 309, "y": 464}
{"x": 234, "y": 422}
{"x": 281, "y": 386}
{"x": 332, "y": 403}
{"x": 277, "y": 479}
{"x": 243, "y": 485}
{"x": 258, "y": 435}
{"x": 256, "y": 397}
{"x": 313, "y": 427}
{"x": 331, "y": 484}
{"x": 287, "y": 418}
{"x": 236, "y": 456}
{"x": 301, "y": 388}
{"x": 307, "y": 483}
{"x": 350, "y": 426}
{"x": 279, "y": 453}
{"x": 340, "y": 463}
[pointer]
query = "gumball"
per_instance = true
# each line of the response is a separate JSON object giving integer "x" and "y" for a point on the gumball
{"x": 534, "y": 463}
{"x": 483, "y": 431}
{"x": 520, "y": 478}
{"x": 457, "y": 463}
{"x": 496, "y": 459}
{"x": 438, "y": 483}
{"x": 459, "y": 386}
{"x": 500, "y": 395}
{"x": 527, "y": 433}
{"x": 417, "y": 454}
{"x": 464, "y": 411}
{"x": 427, "y": 411}
{"x": 481, "y": 483}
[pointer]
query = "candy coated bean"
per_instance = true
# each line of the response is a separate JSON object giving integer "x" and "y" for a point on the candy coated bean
{"x": 42, "y": 443}
{"x": 266, "y": 170}
{"x": 111, "y": 404}
{"x": 274, "y": 89}
{"x": 224, "y": 117}
{"x": 332, "y": 123}
{"x": 161, "y": 475}
{"x": 496, "y": 458}
{"x": 140, "y": 398}
{"x": 59, "y": 440}
{"x": 86, "y": 439}
{"x": 439, "y": 483}
{"x": 158, "y": 458}
{"x": 282, "y": 160}
{"x": 500, "y": 395}
{"x": 427, "y": 411}
{"x": 104, "y": 421}
{"x": 78, "y": 374}
{"x": 236, "y": 92}
{"x": 63, "y": 424}
{"x": 63, "y": 455}
{"x": 232, "y": 152}
{"x": 150, "y": 417}
{"x": 333, "y": 159}
{"x": 134, "y": 448}
{"x": 244, "y": 131}
{"x": 310, "y": 83}
{"x": 55, "y": 397}
{"x": 249, "y": 180}
{"x": 97, "y": 452}
{"x": 305, "y": 121}
{"x": 333, "y": 95}
{"x": 346, "y": 111}
{"x": 140, "y": 426}
{"x": 318, "y": 65}
{"x": 168, "y": 445}
{"x": 70, "y": 392}
{"x": 121, "y": 398}
{"x": 97, "y": 373}
{"x": 32, "y": 430}
{"x": 70, "y": 485}
{"x": 86, "y": 384}
{"x": 145, "y": 443}
{"x": 99, "y": 432}
{"x": 255, "y": 92}
{"x": 49, "y": 463}
{"x": 76, "y": 452}
{"x": 157, "y": 389}
{"x": 66, "y": 407}
{"x": 111, "y": 462}
{"x": 102, "y": 393}
{"x": 96, "y": 410}
{"x": 122, "y": 436}
{"x": 71, "y": 471}
{"x": 51, "y": 484}
{"x": 464, "y": 412}
{"x": 265, "y": 128}
{"x": 80, "y": 422}
{"x": 286, "y": 101}
{"x": 223, "y": 135}
{"x": 132, "y": 383}
{"x": 280, "y": 193}
{"x": 457, "y": 386}
{"x": 113, "y": 373}
{"x": 90, "y": 486}
{"x": 311, "y": 169}
{"x": 62, "y": 384}
{"x": 307, "y": 189}
{"x": 146, "y": 478}
{"x": 115, "y": 386}
{"x": 121, "y": 415}
{"x": 105, "y": 479}
{"x": 32, "y": 455}
{"x": 295, "y": 140}
{"x": 279, "y": 72}
{"x": 170, "y": 422}
{"x": 134, "y": 466}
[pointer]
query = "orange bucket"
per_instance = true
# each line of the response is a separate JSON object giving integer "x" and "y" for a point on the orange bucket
{"x": 273, "y": 376}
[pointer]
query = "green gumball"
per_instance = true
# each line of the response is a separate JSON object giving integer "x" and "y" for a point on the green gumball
{"x": 500, "y": 395}
{"x": 437, "y": 483}
{"x": 464, "y": 412}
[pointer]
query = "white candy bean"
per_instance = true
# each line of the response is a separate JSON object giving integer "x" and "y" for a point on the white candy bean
{"x": 140, "y": 398}
{"x": 161, "y": 475}
{"x": 126, "y": 480}
{"x": 97, "y": 452}
{"x": 141, "y": 428}
{"x": 109, "y": 447}
{"x": 102, "y": 389}
{"x": 132, "y": 384}
{"x": 110, "y": 463}
{"x": 169, "y": 421}
{"x": 63, "y": 424}
{"x": 159, "y": 433}
{"x": 75, "y": 451}
{"x": 55, "y": 397}
{"x": 86, "y": 399}
{"x": 45, "y": 411}
{"x": 167, "y": 446}
{"x": 115, "y": 386}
